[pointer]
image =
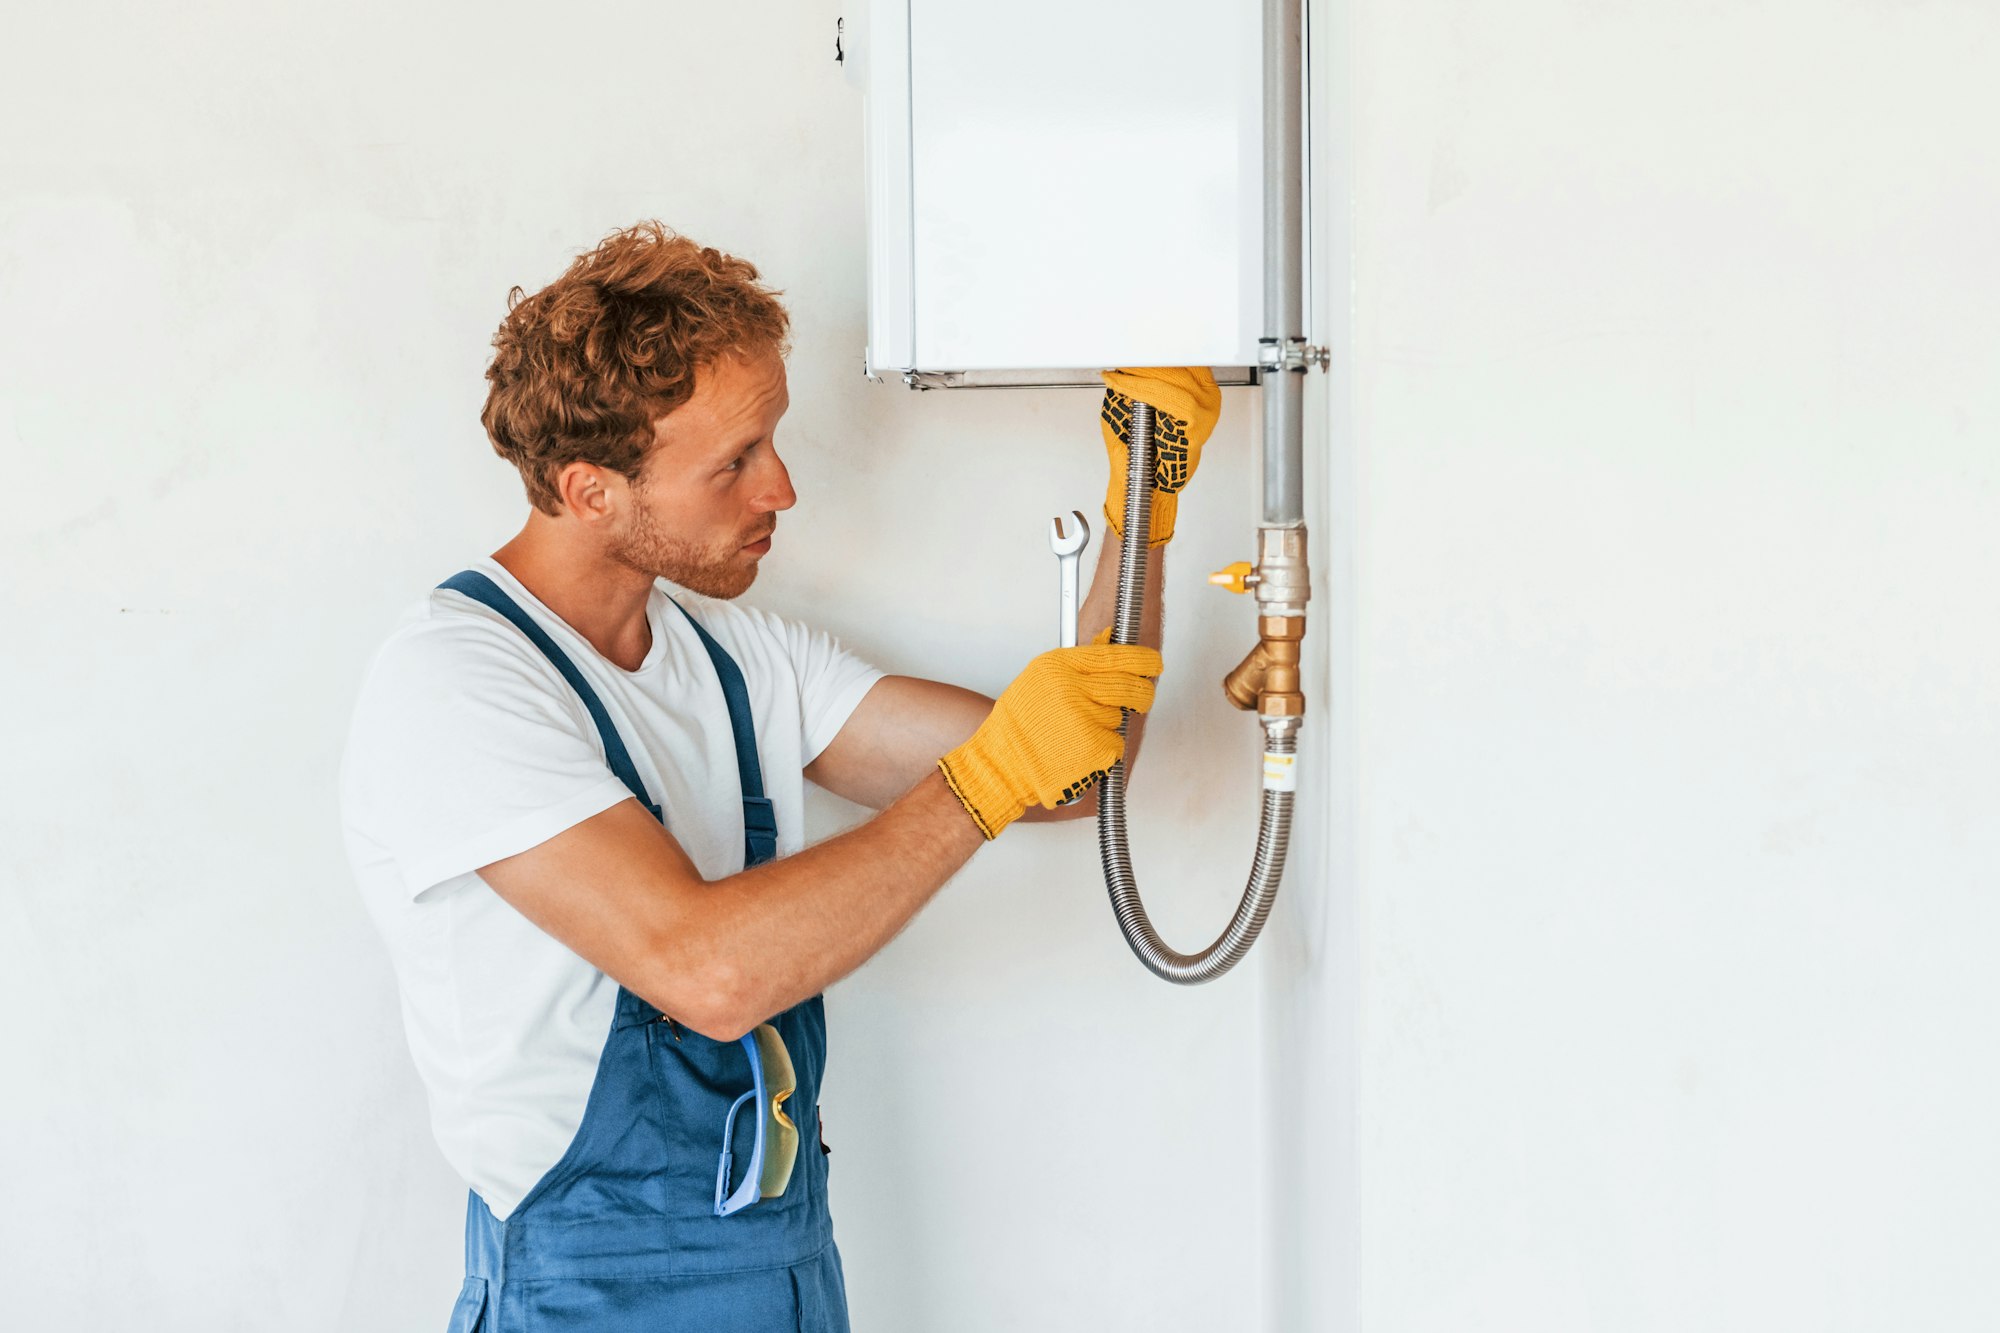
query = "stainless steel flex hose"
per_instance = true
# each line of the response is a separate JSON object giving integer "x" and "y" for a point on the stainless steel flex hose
{"x": 1281, "y": 578}
{"x": 1280, "y": 739}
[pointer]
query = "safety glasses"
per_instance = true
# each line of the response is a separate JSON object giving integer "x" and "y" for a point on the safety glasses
{"x": 777, "y": 1144}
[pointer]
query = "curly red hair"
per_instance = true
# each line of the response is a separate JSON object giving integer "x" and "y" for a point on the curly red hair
{"x": 583, "y": 368}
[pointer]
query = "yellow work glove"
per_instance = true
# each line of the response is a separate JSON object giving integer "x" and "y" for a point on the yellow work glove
{"x": 1185, "y": 405}
{"x": 1051, "y": 731}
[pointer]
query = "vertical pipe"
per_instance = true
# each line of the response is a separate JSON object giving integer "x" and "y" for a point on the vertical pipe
{"x": 1284, "y": 264}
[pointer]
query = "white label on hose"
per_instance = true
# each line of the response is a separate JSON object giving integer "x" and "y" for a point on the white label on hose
{"x": 1280, "y": 772}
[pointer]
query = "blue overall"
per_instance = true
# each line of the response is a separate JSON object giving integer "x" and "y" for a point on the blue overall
{"x": 621, "y": 1235}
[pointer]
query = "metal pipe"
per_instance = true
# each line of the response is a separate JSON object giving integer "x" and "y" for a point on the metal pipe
{"x": 1282, "y": 350}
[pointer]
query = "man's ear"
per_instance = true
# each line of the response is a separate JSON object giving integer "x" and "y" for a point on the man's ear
{"x": 586, "y": 491}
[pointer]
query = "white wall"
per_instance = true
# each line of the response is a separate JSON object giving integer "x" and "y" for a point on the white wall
{"x": 1668, "y": 437}
{"x": 1631, "y": 972}
{"x": 250, "y": 258}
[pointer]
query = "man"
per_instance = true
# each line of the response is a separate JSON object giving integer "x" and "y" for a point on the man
{"x": 573, "y": 800}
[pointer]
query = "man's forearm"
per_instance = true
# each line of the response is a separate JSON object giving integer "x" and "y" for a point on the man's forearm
{"x": 1100, "y": 604}
{"x": 782, "y": 932}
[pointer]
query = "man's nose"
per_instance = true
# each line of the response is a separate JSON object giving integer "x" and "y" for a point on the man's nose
{"x": 777, "y": 492}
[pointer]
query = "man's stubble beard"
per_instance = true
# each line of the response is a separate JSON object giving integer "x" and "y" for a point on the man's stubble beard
{"x": 653, "y": 551}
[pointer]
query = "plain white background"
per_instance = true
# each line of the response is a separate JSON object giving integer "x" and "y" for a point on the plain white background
{"x": 1633, "y": 973}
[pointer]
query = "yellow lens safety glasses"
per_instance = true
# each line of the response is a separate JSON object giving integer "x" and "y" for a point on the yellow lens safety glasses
{"x": 776, "y": 1149}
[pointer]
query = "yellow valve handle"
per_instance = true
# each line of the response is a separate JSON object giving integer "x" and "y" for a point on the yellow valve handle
{"x": 1056, "y": 725}
{"x": 1237, "y": 577}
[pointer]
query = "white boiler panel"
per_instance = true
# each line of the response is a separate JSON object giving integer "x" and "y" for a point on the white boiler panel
{"x": 1062, "y": 184}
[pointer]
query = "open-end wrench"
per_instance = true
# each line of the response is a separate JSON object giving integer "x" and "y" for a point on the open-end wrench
{"x": 1068, "y": 549}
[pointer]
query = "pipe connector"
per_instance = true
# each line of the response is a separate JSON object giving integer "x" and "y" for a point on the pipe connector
{"x": 1293, "y": 354}
{"x": 1267, "y": 679}
{"x": 1283, "y": 584}
{"x": 1280, "y": 694}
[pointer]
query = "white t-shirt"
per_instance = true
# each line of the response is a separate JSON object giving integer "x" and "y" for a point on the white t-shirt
{"x": 467, "y": 746}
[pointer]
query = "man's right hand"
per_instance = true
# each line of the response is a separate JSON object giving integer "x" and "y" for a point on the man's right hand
{"x": 1054, "y": 727}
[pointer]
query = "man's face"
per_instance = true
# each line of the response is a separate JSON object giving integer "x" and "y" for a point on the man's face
{"x": 707, "y": 499}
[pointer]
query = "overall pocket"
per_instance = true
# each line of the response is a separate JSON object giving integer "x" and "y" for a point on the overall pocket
{"x": 469, "y": 1315}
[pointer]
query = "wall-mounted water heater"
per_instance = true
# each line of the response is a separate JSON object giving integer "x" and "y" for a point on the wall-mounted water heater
{"x": 1057, "y": 187}
{"x": 1055, "y": 184}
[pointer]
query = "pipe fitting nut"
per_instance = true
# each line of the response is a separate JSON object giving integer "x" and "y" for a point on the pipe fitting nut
{"x": 1281, "y": 705}
{"x": 1284, "y": 584}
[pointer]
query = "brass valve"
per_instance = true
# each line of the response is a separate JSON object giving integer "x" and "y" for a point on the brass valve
{"x": 1246, "y": 681}
{"x": 1268, "y": 678}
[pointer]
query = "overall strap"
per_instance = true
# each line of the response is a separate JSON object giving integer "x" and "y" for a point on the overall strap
{"x": 760, "y": 825}
{"x": 760, "y": 817}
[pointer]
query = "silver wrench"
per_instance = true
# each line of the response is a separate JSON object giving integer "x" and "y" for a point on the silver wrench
{"x": 1068, "y": 549}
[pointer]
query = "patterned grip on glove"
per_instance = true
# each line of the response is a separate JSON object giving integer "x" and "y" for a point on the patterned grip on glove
{"x": 1080, "y": 786}
{"x": 1171, "y": 469}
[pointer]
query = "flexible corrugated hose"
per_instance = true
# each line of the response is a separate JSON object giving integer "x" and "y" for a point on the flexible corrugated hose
{"x": 1280, "y": 738}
